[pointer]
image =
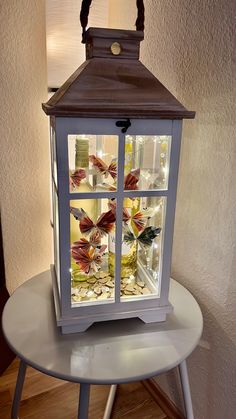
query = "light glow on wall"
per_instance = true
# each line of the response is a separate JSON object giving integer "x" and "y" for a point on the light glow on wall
{"x": 65, "y": 52}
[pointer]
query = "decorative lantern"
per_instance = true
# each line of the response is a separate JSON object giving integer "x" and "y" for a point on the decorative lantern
{"x": 115, "y": 141}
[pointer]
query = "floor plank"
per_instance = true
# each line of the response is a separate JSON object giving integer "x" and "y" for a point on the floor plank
{"x": 48, "y": 397}
{"x": 134, "y": 402}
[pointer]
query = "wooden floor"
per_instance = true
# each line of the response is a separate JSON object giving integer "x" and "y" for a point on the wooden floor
{"x": 49, "y": 398}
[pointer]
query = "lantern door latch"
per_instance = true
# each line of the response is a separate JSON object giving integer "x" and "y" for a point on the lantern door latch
{"x": 124, "y": 125}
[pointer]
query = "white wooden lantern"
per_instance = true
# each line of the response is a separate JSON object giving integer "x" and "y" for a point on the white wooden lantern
{"x": 115, "y": 140}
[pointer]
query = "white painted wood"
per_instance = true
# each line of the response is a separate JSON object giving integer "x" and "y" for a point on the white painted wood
{"x": 97, "y": 126}
{"x": 183, "y": 371}
{"x": 119, "y": 215}
{"x": 154, "y": 307}
{"x": 110, "y": 402}
{"x": 147, "y": 316}
{"x": 170, "y": 210}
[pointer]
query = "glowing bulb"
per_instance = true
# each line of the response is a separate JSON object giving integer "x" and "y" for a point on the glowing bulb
{"x": 165, "y": 170}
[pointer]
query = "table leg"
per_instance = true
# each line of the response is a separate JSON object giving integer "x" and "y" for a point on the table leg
{"x": 110, "y": 401}
{"x": 84, "y": 401}
{"x": 183, "y": 371}
{"x": 18, "y": 390}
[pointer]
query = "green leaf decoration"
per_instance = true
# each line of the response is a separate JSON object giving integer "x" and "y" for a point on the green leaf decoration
{"x": 148, "y": 235}
{"x": 145, "y": 238}
{"x": 129, "y": 237}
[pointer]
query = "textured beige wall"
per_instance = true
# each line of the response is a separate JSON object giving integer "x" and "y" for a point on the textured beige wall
{"x": 122, "y": 14}
{"x": 24, "y": 157}
{"x": 190, "y": 46}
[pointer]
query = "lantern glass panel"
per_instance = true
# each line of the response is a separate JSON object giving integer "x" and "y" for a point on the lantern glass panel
{"x": 91, "y": 223}
{"x": 142, "y": 246}
{"x": 92, "y": 160}
{"x": 147, "y": 158}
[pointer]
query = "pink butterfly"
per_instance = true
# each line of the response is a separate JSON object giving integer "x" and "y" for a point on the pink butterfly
{"x": 112, "y": 206}
{"x": 139, "y": 219}
{"x": 103, "y": 225}
{"x": 131, "y": 180}
{"x": 76, "y": 177}
{"x": 103, "y": 168}
{"x": 90, "y": 260}
{"x": 94, "y": 241}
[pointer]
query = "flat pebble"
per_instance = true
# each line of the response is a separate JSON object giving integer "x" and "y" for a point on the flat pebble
{"x": 141, "y": 284}
{"x": 127, "y": 281}
{"x": 98, "y": 290}
{"x": 104, "y": 296}
{"x": 127, "y": 292}
{"x": 90, "y": 294}
{"x": 91, "y": 280}
{"x": 129, "y": 288}
{"x": 110, "y": 284}
{"x": 84, "y": 285}
{"x": 83, "y": 292}
{"x": 102, "y": 280}
{"x": 103, "y": 274}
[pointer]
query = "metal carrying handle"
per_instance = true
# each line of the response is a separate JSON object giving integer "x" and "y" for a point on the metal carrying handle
{"x": 85, "y": 6}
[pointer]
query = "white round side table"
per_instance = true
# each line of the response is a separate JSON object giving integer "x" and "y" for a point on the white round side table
{"x": 113, "y": 352}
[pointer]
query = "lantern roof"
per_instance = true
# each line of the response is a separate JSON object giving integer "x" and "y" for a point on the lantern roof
{"x": 112, "y": 82}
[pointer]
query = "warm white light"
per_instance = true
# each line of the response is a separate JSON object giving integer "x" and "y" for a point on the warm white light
{"x": 165, "y": 170}
{"x": 64, "y": 49}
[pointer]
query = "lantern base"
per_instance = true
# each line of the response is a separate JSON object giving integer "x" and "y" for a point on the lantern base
{"x": 82, "y": 325}
{"x": 80, "y": 320}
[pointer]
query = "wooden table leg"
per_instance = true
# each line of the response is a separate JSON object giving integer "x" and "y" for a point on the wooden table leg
{"x": 110, "y": 401}
{"x": 18, "y": 390}
{"x": 84, "y": 401}
{"x": 183, "y": 371}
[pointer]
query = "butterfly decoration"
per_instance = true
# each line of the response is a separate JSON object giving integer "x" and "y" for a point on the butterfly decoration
{"x": 94, "y": 241}
{"x": 103, "y": 168}
{"x": 108, "y": 187}
{"x": 88, "y": 260}
{"x": 103, "y": 225}
{"x": 76, "y": 177}
{"x": 131, "y": 180}
{"x": 112, "y": 207}
{"x": 138, "y": 220}
{"x": 145, "y": 238}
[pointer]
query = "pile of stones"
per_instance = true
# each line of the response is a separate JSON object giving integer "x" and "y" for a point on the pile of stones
{"x": 101, "y": 287}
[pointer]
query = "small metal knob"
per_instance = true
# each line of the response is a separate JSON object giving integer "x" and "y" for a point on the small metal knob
{"x": 116, "y": 48}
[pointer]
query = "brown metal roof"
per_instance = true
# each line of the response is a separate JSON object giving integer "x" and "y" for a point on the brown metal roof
{"x": 109, "y": 86}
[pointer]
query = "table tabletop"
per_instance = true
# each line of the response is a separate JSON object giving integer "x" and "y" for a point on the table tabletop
{"x": 109, "y": 352}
